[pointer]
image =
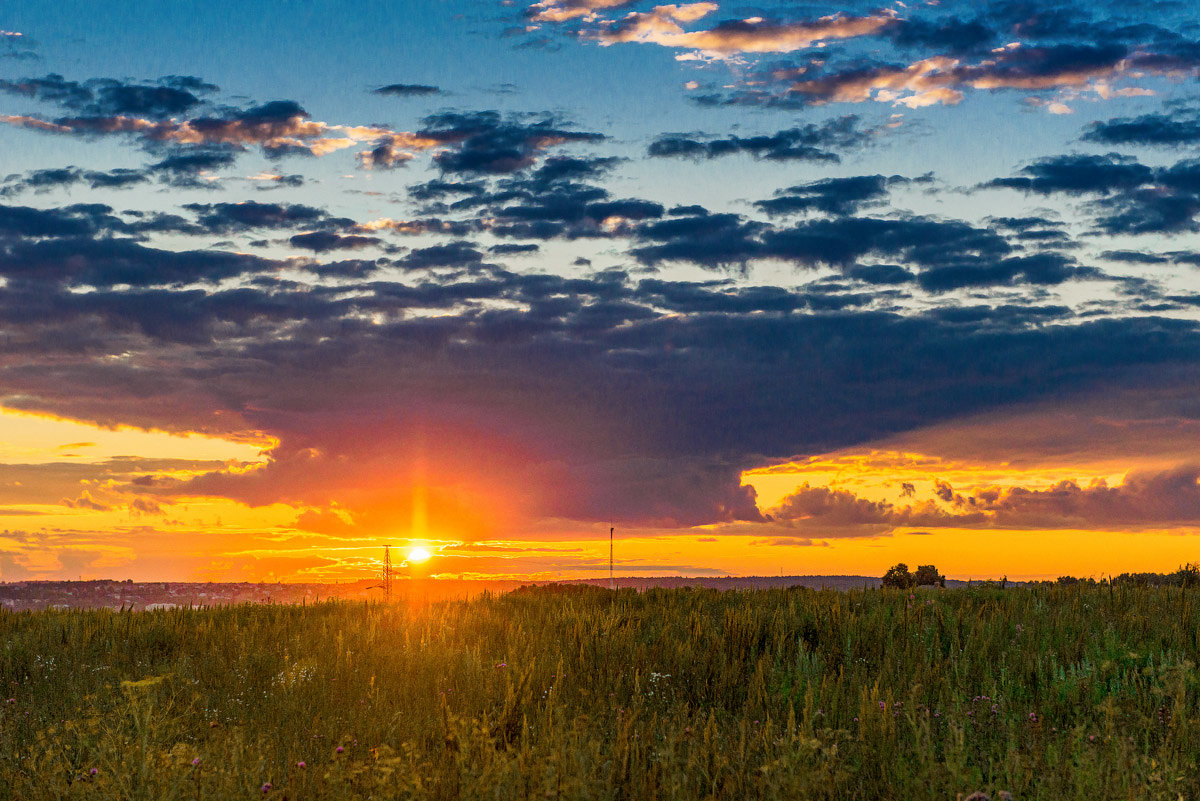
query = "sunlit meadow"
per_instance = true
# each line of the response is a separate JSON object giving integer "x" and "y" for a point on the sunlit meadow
{"x": 1043, "y": 693}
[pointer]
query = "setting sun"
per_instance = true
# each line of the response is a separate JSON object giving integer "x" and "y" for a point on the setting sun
{"x": 418, "y": 555}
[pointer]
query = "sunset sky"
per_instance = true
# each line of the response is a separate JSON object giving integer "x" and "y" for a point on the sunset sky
{"x": 776, "y": 287}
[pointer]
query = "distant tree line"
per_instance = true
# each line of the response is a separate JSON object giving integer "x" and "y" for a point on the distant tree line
{"x": 1187, "y": 575}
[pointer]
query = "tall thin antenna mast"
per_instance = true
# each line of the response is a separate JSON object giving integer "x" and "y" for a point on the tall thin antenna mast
{"x": 387, "y": 572}
{"x": 612, "y": 583}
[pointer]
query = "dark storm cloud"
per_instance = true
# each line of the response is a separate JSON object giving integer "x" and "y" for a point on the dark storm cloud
{"x": 569, "y": 168}
{"x": 180, "y": 170}
{"x": 62, "y": 177}
{"x": 107, "y": 97}
{"x": 674, "y": 379}
{"x": 455, "y": 254}
{"x": 80, "y": 219}
{"x": 1174, "y": 129}
{"x": 710, "y": 240}
{"x": 224, "y": 218}
{"x": 1039, "y": 231}
{"x": 484, "y": 142}
{"x": 190, "y": 162}
{"x": 513, "y": 250}
{"x": 544, "y": 203}
{"x": 811, "y": 142}
{"x": 407, "y": 90}
{"x": 832, "y": 195}
{"x": 952, "y": 254}
{"x": 1078, "y": 174}
{"x": 881, "y": 274}
{"x": 951, "y": 35}
{"x": 1129, "y": 197}
{"x": 325, "y": 241}
{"x": 74, "y": 258}
{"x": 1135, "y": 257}
{"x": 1043, "y": 269}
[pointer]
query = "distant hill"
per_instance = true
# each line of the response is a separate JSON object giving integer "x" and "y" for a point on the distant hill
{"x": 172, "y": 594}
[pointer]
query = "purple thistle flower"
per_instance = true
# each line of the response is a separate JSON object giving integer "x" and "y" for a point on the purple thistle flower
{"x": 266, "y": 788}
{"x": 93, "y": 771}
{"x": 196, "y": 761}
{"x": 301, "y": 764}
{"x": 340, "y": 749}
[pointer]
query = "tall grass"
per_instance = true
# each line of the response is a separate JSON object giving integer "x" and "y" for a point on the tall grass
{"x": 1046, "y": 693}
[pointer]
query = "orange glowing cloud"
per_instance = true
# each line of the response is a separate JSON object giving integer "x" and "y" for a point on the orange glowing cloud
{"x": 940, "y": 79}
{"x": 289, "y": 132}
{"x": 566, "y": 10}
{"x": 663, "y": 25}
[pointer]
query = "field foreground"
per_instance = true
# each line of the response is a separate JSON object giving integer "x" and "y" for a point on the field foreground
{"x": 1044, "y": 693}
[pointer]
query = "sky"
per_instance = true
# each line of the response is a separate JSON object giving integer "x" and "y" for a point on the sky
{"x": 778, "y": 288}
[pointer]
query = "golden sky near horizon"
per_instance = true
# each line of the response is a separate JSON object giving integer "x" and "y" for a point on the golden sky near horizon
{"x": 81, "y": 500}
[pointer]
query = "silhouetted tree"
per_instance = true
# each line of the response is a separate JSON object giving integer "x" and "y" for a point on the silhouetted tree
{"x": 928, "y": 576}
{"x": 898, "y": 576}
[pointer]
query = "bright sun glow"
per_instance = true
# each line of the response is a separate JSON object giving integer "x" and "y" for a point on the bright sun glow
{"x": 418, "y": 555}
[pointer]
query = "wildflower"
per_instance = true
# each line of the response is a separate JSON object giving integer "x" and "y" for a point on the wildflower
{"x": 1091, "y": 738}
{"x": 266, "y": 788}
{"x": 501, "y": 665}
{"x": 11, "y": 701}
{"x": 340, "y": 749}
{"x": 883, "y": 705}
{"x": 856, "y": 720}
{"x": 93, "y": 771}
{"x": 301, "y": 764}
{"x": 195, "y": 761}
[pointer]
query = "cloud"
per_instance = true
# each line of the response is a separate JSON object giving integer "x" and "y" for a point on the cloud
{"x": 1078, "y": 174}
{"x": 279, "y": 128}
{"x": 831, "y": 195}
{"x": 64, "y": 177}
{"x": 811, "y": 142}
{"x": 455, "y": 254}
{"x": 483, "y": 142}
{"x": 73, "y": 258}
{"x": 566, "y": 10}
{"x": 1129, "y": 197}
{"x": 325, "y": 241}
{"x": 664, "y": 26}
{"x": 407, "y": 90}
{"x": 107, "y": 97}
{"x": 1144, "y": 499}
{"x": 944, "y": 78}
{"x": 711, "y": 240}
{"x": 951, "y": 35}
{"x": 247, "y": 215}
{"x": 1176, "y": 129}
{"x": 416, "y": 227}
{"x": 544, "y": 394}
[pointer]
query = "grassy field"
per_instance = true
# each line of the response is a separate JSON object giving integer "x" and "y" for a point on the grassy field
{"x": 1044, "y": 693}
